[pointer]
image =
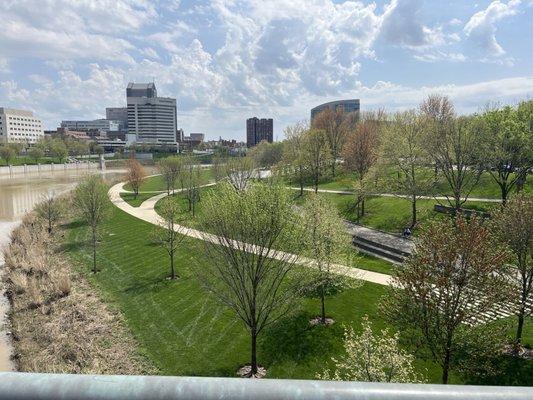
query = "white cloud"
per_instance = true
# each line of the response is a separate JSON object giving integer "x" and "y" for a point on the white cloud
{"x": 481, "y": 28}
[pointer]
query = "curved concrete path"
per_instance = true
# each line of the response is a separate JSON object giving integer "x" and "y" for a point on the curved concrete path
{"x": 146, "y": 212}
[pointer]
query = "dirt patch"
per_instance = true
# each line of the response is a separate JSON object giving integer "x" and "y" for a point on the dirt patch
{"x": 318, "y": 321}
{"x": 59, "y": 324}
{"x": 246, "y": 372}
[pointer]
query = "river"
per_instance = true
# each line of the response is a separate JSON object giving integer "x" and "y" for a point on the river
{"x": 18, "y": 195}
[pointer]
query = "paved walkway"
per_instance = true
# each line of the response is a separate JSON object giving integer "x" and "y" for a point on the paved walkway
{"x": 146, "y": 212}
{"x": 481, "y": 199}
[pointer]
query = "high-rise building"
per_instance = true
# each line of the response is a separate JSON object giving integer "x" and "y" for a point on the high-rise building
{"x": 19, "y": 126}
{"x": 258, "y": 130}
{"x": 118, "y": 114}
{"x": 347, "y": 106}
{"x": 152, "y": 119}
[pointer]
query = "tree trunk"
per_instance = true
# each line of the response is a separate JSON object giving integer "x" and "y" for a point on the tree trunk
{"x": 172, "y": 273}
{"x": 505, "y": 194}
{"x": 316, "y": 183}
{"x": 363, "y": 207}
{"x": 413, "y": 216}
{"x": 520, "y": 327}
{"x": 253, "y": 362}
{"x": 446, "y": 367}
{"x": 323, "y": 304}
{"x": 94, "y": 252}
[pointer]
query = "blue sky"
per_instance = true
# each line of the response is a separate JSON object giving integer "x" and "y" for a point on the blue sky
{"x": 226, "y": 61}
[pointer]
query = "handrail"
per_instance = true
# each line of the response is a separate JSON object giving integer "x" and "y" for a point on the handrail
{"x": 24, "y": 386}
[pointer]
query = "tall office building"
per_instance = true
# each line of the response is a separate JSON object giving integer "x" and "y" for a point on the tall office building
{"x": 19, "y": 126}
{"x": 118, "y": 114}
{"x": 258, "y": 130}
{"x": 346, "y": 106}
{"x": 152, "y": 119}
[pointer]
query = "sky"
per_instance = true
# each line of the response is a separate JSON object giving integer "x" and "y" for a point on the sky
{"x": 228, "y": 60}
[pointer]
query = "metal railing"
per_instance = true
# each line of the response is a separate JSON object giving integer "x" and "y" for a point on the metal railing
{"x": 25, "y": 386}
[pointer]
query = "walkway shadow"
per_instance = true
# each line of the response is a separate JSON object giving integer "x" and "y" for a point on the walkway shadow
{"x": 294, "y": 339}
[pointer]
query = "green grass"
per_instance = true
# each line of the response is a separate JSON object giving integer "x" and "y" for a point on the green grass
{"x": 184, "y": 331}
{"x": 156, "y": 183}
{"x": 21, "y": 160}
{"x": 486, "y": 187}
{"x": 136, "y": 201}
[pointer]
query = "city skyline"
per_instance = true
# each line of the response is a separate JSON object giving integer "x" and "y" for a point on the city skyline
{"x": 227, "y": 61}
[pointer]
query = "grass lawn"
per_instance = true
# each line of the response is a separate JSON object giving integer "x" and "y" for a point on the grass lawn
{"x": 156, "y": 183}
{"x": 486, "y": 187}
{"x": 186, "y": 332}
{"x": 21, "y": 160}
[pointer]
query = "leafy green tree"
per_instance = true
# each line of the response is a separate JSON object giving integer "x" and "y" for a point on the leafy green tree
{"x": 316, "y": 154}
{"x": 293, "y": 157}
{"x": 403, "y": 158}
{"x": 508, "y": 145}
{"x": 457, "y": 274}
{"x": 7, "y": 153}
{"x": 244, "y": 267}
{"x": 326, "y": 242}
{"x": 36, "y": 153}
{"x": 373, "y": 358}
{"x": 59, "y": 149}
{"x": 514, "y": 224}
{"x": 93, "y": 206}
{"x": 266, "y": 154}
{"x": 170, "y": 169}
{"x": 331, "y": 123}
{"x": 167, "y": 236}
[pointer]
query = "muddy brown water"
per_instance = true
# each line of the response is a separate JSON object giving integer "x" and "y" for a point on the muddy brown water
{"x": 18, "y": 195}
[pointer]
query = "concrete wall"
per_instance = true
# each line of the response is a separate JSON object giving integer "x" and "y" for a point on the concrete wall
{"x": 25, "y": 169}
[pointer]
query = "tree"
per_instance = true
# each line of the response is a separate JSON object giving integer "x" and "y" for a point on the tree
{"x": 170, "y": 169}
{"x": 373, "y": 358}
{"x": 135, "y": 175}
{"x": 316, "y": 154}
{"x": 508, "y": 145}
{"x": 239, "y": 171}
{"x": 515, "y": 228}
{"x": 294, "y": 154}
{"x": 59, "y": 149}
{"x": 266, "y": 154}
{"x": 191, "y": 181}
{"x": 360, "y": 153}
{"x": 455, "y": 144}
{"x": 331, "y": 122}
{"x": 93, "y": 206}
{"x": 7, "y": 153}
{"x": 456, "y": 275}
{"x": 50, "y": 209}
{"x": 219, "y": 162}
{"x": 403, "y": 151}
{"x": 244, "y": 267}
{"x": 326, "y": 241}
{"x": 36, "y": 153}
{"x": 168, "y": 237}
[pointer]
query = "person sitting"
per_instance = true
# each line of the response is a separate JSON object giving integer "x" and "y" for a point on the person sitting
{"x": 406, "y": 232}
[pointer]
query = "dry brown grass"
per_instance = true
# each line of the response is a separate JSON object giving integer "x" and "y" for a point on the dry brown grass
{"x": 58, "y": 322}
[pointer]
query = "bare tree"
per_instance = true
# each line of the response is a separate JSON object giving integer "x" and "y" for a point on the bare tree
{"x": 326, "y": 241}
{"x": 244, "y": 267}
{"x": 316, "y": 155}
{"x": 93, "y": 206}
{"x": 403, "y": 151}
{"x": 218, "y": 167}
{"x": 455, "y": 144}
{"x": 170, "y": 169}
{"x": 239, "y": 171}
{"x": 514, "y": 224}
{"x": 373, "y": 358}
{"x": 331, "y": 122}
{"x": 192, "y": 180}
{"x": 294, "y": 154}
{"x": 50, "y": 209}
{"x": 135, "y": 175}
{"x": 456, "y": 275}
{"x": 360, "y": 153}
{"x": 168, "y": 237}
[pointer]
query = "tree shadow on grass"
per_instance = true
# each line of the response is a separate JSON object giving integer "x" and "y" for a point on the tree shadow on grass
{"x": 74, "y": 224}
{"x": 73, "y": 246}
{"x": 294, "y": 339}
{"x": 511, "y": 371}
